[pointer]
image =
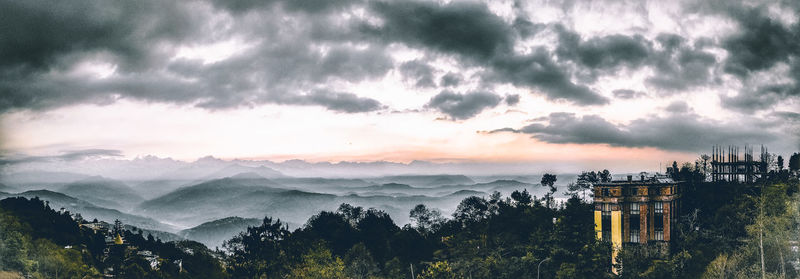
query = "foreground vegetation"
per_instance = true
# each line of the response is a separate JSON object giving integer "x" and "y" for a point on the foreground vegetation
{"x": 724, "y": 232}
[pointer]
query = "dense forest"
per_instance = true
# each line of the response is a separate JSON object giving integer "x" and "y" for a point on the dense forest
{"x": 726, "y": 230}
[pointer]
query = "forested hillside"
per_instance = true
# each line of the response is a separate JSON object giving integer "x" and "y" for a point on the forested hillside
{"x": 724, "y": 231}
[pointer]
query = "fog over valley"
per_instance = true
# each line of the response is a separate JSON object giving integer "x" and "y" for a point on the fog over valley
{"x": 210, "y": 200}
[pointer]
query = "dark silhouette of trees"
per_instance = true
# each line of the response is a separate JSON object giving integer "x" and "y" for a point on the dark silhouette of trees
{"x": 359, "y": 263}
{"x": 605, "y": 176}
{"x": 40, "y": 242}
{"x": 471, "y": 209}
{"x": 258, "y": 250}
{"x": 549, "y": 180}
{"x": 425, "y": 219}
{"x": 521, "y": 198}
{"x": 794, "y": 162}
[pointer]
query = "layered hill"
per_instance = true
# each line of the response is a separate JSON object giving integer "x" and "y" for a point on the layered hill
{"x": 213, "y": 233}
{"x": 103, "y": 192}
{"x": 90, "y": 211}
{"x": 246, "y": 195}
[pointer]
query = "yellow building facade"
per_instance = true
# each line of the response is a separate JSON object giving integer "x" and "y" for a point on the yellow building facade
{"x": 636, "y": 211}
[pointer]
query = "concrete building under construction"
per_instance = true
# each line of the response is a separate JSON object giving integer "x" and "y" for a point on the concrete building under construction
{"x": 727, "y": 165}
{"x": 636, "y": 210}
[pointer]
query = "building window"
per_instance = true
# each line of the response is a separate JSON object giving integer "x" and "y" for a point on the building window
{"x": 606, "y": 221}
{"x": 635, "y": 236}
{"x": 659, "y": 235}
{"x": 635, "y": 208}
{"x": 606, "y": 192}
{"x": 658, "y": 207}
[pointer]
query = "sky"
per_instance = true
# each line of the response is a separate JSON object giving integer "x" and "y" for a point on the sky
{"x": 629, "y": 84}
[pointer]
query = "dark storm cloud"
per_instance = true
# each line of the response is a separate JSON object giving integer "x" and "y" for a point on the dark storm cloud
{"x": 760, "y": 43}
{"x": 765, "y": 97}
{"x": 628, "y": 94}
{"x": 419, "y": 73}
{"x": 679, "y": 66}
{"x": 309, "y": 6}
{"x": 464, "y": 28}
{"x": 676, "y": 132}
{"x": 678, "y": 107}
{"x": 607, "y": 52}
{"x": 39, "y": 35}
{"x": 471, "y": 32}
{"x": 68, "y": 156}
{"x": 335, "y": 101}
{"x": 512, "y": 100}
{"x": 302, "y": 46}
{"x": 787, "y": 115}
{"x": 41, "y": 38}
{"x": 538, "y": 70}
{"x": 450, "y": 80}
{"x": 42, "y": 41}
{"x": 463, "y": 106}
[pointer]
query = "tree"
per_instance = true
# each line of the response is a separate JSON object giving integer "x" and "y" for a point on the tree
{"x": 521, "y": 198}
{"x": 352, "y": 214}
{"x": 359, "y": 263}
{"x": 794, "y": 162}
{"x": 257, "y": 251}
{"x": 438, "y": 270}
{"x": 472, "y": 209}
{"x": 549, "y": 180}
{"x": 780, "y": 163}
{"x": 318, "y": 263}
{"x": 375, "y": 229}
{"x": 674, "y": 170}
{"x": 605, "y": 176}
{"x": 332, "y": 228}
{"x": 585, "y": 182}
{"x": 425, "y": 219}
{"x": 702, "y": 163}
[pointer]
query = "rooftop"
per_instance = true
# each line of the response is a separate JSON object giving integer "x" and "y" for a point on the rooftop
{"x": 641, "y": 179}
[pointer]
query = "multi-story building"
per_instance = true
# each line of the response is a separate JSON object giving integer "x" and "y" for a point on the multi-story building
{"x": 635, "y": 211}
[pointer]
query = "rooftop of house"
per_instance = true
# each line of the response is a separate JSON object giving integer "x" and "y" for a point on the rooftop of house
{"x": 642, "y": 179}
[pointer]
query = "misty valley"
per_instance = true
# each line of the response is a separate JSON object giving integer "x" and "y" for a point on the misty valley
{"x": 212, "y": 200}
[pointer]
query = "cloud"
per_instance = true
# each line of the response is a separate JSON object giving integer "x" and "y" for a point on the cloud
{"x": 606, "y": 52}
{"x": 679, "y": 66}
{"x": 307, "y": 6}
{"x": 761, "y": 98}
{"x": 760, "y": 43}
{"x": 336, "y": 101}
{"x": 679, "y": 132}
{"x": 538, "y": 70}
{"x": 41, "y": 35}
{"x": 463, "y": 106}
{"x": 512, "y": 100}
{"x": 787, "y": 115}
{"x": 450, "y": 80}
{"x": 142, "y": 39}
{"x": 470, "y": 31}
{"x": 628, "y": 94}
{"x": 678, "y": 107}
{"x": 65, "y": 156}
{"x": 465, "y": 28}
{"x": 418, "y": 72}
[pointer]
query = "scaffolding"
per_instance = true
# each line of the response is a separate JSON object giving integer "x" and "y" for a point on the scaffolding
{"x": 726, "y": 165}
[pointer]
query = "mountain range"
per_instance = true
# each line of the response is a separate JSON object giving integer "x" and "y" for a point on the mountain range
{"x": 210, "y": 200}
